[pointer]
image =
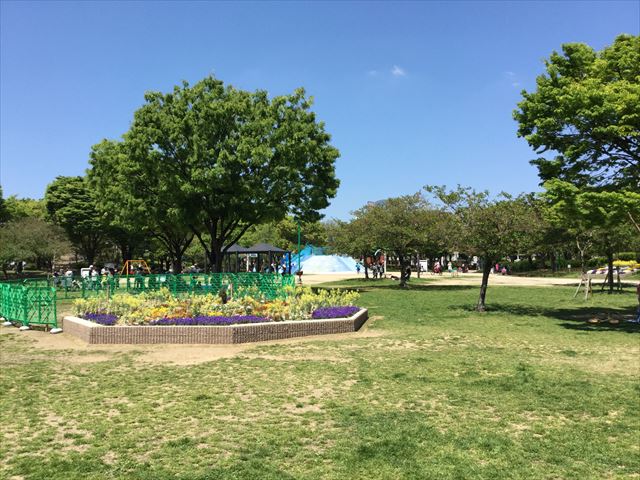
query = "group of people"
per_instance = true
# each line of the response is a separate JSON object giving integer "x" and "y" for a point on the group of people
{"x": 502, "y": 269}
{"x": 451, "y": 268}
{"x": 266, "y": 268}
{"x": 377, "y": 270}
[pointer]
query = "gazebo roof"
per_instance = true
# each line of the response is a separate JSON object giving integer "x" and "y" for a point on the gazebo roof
{"x": 235, "y": 248}
{"x": 264, "y": 248}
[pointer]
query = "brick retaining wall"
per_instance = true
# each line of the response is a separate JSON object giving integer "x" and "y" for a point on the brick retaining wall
{"x": 94, "y": 333}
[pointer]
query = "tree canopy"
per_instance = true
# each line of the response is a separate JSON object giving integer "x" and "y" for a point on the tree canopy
{"x": 132, "y": 208}
{"x": 71, "y": 204}
{"x": 402, "y": 226}
{"x": 17, "y": 208}
{"x": 284, "y": 234}
{"x": 486, "y": 227}
{"x": 223, "y": 159}
{"x": 587, "y": 109}
{"x": 605, "y": 219}
{"x": 31, "y": 238}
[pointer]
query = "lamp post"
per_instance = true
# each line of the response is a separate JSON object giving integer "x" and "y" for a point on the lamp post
{"x": 299, "y": 266}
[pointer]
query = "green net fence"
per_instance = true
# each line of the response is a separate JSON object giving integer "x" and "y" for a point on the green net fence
{"x": 267, "y": 286}
{"x": 33, "y": 301}
{"x": 29, "y": 304}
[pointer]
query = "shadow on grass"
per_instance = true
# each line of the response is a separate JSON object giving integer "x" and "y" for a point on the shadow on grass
{"x": 368, "y": 287}
{"x": 576, "y": 318}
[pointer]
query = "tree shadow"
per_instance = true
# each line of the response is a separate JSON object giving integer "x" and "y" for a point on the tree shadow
{"x": 395, "y": 287}
{"x": 580, "y": 318}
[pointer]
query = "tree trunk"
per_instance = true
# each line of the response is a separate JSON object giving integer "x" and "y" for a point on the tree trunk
{"x": 610, "y": 270}
{"x": 554, "y": 262}
{"x": 418, "y": 265}
{"x": 176, "y": 263}
{"x": 486, "y": 270}
{"x": 403, "y": 272}
{"x": 126, "y": 251}
{"x": 214, "y": 255}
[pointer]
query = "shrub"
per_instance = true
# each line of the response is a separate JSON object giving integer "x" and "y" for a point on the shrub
{"x": 635, "y": 256}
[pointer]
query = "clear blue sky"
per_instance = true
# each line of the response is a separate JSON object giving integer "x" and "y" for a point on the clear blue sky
{"x": 413, "y": 93}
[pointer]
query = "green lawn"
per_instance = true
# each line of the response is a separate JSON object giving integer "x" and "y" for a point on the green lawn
{"x": 429, "y": 390}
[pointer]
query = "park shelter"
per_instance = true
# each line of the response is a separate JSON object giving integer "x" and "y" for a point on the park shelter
{"x": 261, "y": 255}
{"x": 232, "y": 257}
{"x": 266, "y": 254}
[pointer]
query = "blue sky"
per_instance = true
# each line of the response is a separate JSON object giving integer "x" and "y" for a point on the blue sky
{"x": 412, "y": 93}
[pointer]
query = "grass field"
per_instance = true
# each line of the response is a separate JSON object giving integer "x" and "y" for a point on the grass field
{"x": 430, "y": 389}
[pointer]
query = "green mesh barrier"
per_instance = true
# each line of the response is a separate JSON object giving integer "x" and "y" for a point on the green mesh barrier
{"x": 33, "y": 301}
{"x": 29, "y": 304}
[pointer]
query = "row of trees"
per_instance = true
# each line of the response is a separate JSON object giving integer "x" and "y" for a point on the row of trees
{"x": 205, "y": 163}
{"x": 26, "y": 234}
{"x": 439, "y": 221}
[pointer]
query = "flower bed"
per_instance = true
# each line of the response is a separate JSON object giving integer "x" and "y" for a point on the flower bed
{"x": 334, "y": 312}
{"x": 235, "y": 320}
{"x": 160, "y": 308}
{"x": 94, "y": 333}
{"x": 101, "y": 318}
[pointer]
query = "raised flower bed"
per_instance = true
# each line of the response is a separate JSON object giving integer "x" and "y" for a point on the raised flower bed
{"x": 160, "y": 318}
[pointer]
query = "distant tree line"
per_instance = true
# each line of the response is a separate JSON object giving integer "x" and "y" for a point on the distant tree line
{"x": 206, "y": 166}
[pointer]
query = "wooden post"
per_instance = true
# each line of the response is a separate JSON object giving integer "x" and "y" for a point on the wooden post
{"x": 583, "y": 279}
{"x": 588, "y": 291}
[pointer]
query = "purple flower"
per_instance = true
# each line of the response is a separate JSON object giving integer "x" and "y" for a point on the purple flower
{"x": 202, "y": 320}
{"x": 334, "y": 312}
{"x": 101, "y": 318}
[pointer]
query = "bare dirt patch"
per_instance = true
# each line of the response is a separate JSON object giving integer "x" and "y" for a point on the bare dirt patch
{"x": 70, "y": 349}
{"x": 447, "y": 279}
{"x": 292, "y": 408}
{"x": 476, "y": 279}
{"x": 293, "y": 358}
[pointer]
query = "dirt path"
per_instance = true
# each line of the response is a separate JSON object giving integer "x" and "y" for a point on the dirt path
{"x": 446, "y": 279}
{"x": 70, "y": 349}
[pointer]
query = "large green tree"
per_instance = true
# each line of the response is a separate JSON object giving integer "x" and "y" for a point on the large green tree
{"x": 71, "y": 203}
{"x": 586, "y": 109}
{"x": 400, "y": 226}
{"x": 601, "y": 218}
{"x": 227, "y": 159}
{"x": 353, "y": 237}
{"x": 486, "y": 227}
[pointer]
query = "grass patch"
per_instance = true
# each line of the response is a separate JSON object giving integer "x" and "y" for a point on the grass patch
{"x": 526, "y": 390}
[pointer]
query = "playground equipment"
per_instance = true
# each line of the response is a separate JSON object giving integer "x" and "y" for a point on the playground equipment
{"x": 133, "y": 266}
{"x": 314, "y": 260}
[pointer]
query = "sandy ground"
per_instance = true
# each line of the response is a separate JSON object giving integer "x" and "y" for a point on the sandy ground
{"x": 70, "y": 349}
{"x": 446, "y": 279}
